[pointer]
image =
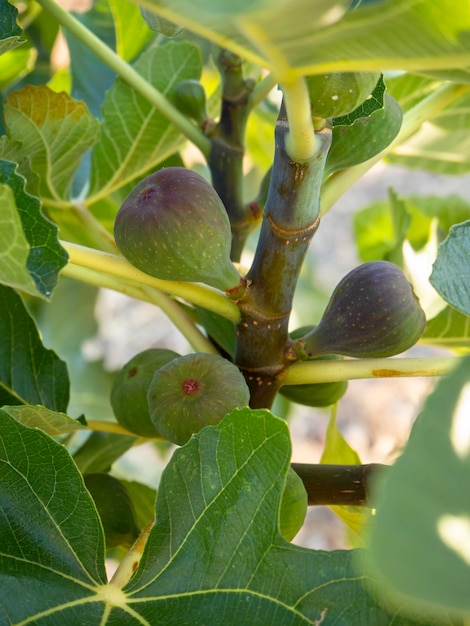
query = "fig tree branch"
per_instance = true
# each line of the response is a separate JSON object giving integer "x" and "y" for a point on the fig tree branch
{"x": 128, "y": 74}
{"x": 333, "y": 485}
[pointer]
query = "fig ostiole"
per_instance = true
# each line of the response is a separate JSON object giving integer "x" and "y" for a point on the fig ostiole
{"x": 339, "y": 93}
{"x": 129, "y": 390}
{"x": 372, "y": 312}
{"x": 194, "y": 391}
{"x": 174, "y": 226}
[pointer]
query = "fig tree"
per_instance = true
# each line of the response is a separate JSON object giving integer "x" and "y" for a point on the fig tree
{"x": 174, "y": 226}
{"x": 373, "y": 312}
{"x": 339, "y": 93}
{"x": 194, "y": 391}
{"x": 316, "y": 394}
{"x": 129, "y": 390}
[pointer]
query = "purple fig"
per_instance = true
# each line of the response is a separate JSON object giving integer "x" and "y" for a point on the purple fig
{"x": 129, "y": 390}
{"x": 373, "y": 312}
{"x": 174, "y": 226}
{"x": 194, "y": 391}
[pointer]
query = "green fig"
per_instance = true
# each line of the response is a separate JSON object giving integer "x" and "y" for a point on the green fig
{"x": 115, "y": 509}
{"x": 190, "y": 98}
{"x": 194, "y": 391}
{"x": 174, "y": 226}
{"x": 339, "y": 93}
{"x": 129, "y": 390}
{"x": 373, "y": 312}
{"x": 294, "y": 504}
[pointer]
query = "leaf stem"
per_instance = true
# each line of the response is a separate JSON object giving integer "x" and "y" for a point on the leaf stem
{"x": 349, "y": 369}
{"x": 129, "y": 74}
{"x": 301, "y": 143}
{"x": 261, "y": 90}
{"x": 337, "y": 184}
{"x": 118, "y": 268}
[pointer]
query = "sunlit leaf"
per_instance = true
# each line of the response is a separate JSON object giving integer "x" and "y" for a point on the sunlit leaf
{"x": 132, "y": 31}
{"x": 51, "y": 422}
{"x": 54, "y": 131}
{"x": 420, "y": 537}
{"x": 322, "y": 36}
{"x": 134, "y": 135}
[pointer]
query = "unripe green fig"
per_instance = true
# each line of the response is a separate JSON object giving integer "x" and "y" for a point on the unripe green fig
{"x": 115, "y": 509}
{"x": 339, "y": 93}
{"x": 160, "y": 24}
{"x": 174, "y": 226}
{"x": 194, "y": 391}
{"x": 129, "y": 390}
{"x": 294, "y": 504}
{"x": 190, "y": 98}
{"x": 373, "y": 312}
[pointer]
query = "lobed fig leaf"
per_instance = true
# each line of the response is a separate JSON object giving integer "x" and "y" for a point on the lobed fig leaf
{"x": 294, "y": 504}
{"x": 339, "y": 93}
{"x": 194, "y": 391}
{"x": 160, "y": 24}
{"x": 129, "y": 390}
{"x": 174, "y": 226}
{"x": 373, "y": 312}
{"x": 115, "y": 509}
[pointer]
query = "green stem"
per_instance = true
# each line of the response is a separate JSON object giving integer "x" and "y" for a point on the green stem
{"x": 170, "y": 307}
{"x": 337, "y": 184}
{"x": 301, "y": 142}
{"x": 261, "y": 90}
{"x": 128, "y": 74}
{"x": 308, "y": 372}
{"x": 117, "y": 267}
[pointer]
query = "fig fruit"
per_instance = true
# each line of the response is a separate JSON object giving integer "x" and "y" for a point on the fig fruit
{"x": 190, "y": 98}
{"x": 174, "y": 226}
{"x": 115, "y": 509}
{"x": 373, "y": 312}
{"x": 129, "y": 390}
{"x": 294, "y": 504}
{"x": 339, "y": 93}
{"x": 194, "y": 391}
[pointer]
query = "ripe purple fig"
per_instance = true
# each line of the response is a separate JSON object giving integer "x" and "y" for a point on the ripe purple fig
{"x": 174, "y": 226}
{"x": 194, "y": 391}
{"x": 373, "y": 312}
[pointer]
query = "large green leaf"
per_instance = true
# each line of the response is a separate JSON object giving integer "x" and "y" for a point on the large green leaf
{"x": 317, "y": 36}
{"x": 134, "y": 135}
{"x": 10, "y": 32}
{"x": 451, "y": 271}
{"x": 30, "y": 255}
{"x": 420, "y": 536}
{"x": 29, "y": 373}
{"x": 214, "y": 556}
{"x": 54, "y": 131}
{"x": 51, "y": 542}
{"x": 132, "y": 31}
